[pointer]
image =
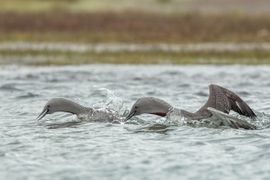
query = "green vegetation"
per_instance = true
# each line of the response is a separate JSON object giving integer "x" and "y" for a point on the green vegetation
{"x": 65, "y": 58}
{"x": 158, "y": 6}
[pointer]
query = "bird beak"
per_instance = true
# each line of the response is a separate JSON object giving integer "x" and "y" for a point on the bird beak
{"x": 130, "y": 115}
{"x": 42, "y": 114}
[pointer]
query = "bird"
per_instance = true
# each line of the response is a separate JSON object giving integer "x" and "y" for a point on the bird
{"x": 66, "y": 105}
{"x": 220, "y": 99}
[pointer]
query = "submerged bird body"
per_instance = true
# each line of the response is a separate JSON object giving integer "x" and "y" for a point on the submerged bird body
{"x": 65, "y": 105}
{"x": 220, "y": 99}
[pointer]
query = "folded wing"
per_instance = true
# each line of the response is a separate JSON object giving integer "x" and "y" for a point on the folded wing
{"x": 225, "y": 100}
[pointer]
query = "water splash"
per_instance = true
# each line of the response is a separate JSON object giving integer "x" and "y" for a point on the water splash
{"x": 109, "y": 109}
{"x": 110, "y": 101}
{"x": 174, "y": 117}
{"x": 101, "y": 115}
{"x": 261, "y": 121}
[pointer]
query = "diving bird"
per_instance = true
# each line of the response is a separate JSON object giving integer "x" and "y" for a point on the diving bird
{"x": 65, "y": 105}
{"x": 219, "y": 98}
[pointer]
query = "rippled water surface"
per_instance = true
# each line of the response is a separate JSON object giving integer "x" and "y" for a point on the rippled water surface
{"x": 60, "y": 147}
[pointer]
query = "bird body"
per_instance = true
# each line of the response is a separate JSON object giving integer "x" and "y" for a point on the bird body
{"x": 220, "y": 99}
{"x": 82, "y": 112}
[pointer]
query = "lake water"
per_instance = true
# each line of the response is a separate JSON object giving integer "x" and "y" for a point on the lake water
{"x": 59, "y": 148}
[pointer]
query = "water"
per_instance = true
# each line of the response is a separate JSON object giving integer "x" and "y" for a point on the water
{"x": 61, "y": 147}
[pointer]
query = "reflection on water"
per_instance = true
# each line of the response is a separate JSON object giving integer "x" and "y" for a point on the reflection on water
{"x": 64, "y": 147}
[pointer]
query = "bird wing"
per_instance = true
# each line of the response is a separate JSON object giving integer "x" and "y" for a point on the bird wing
{"x": 225, "y": 100}
{"x": 231, "y": 121}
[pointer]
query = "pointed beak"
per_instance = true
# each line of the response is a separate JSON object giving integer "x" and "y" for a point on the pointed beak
{"x": 130, "y": 115}
{"x": 42, "y": 114}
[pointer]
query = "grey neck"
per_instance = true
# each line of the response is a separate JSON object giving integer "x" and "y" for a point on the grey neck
{"x": 75, "y": 108}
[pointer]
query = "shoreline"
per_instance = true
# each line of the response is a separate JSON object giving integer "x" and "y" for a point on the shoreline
{"x": 28, "y": 53}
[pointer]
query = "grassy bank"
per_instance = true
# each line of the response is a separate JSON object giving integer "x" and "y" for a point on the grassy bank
{"x": 132, "y": 27}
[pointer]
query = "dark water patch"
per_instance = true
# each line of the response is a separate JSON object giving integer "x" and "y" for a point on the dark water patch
{"x": 63, "y": 125}
{"x": 153, "y": 128}
{"x": 137, "y": 79}
{"x": 183, "y": 85}
{"x": 150, "y": 93}
{"x": 173, "y": 74}
{"x": 9, "y": 87}
{"x": 245, "y": 84}
{"x": 202, "y": 93}
{"x": 243, "y": 93}
{"x": 28, "y": 95}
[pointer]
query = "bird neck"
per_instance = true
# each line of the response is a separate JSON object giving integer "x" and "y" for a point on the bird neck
{"x": 75, "y": 108}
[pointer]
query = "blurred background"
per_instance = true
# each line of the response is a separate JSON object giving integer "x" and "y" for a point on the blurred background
{"x": 60, "y": 32}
